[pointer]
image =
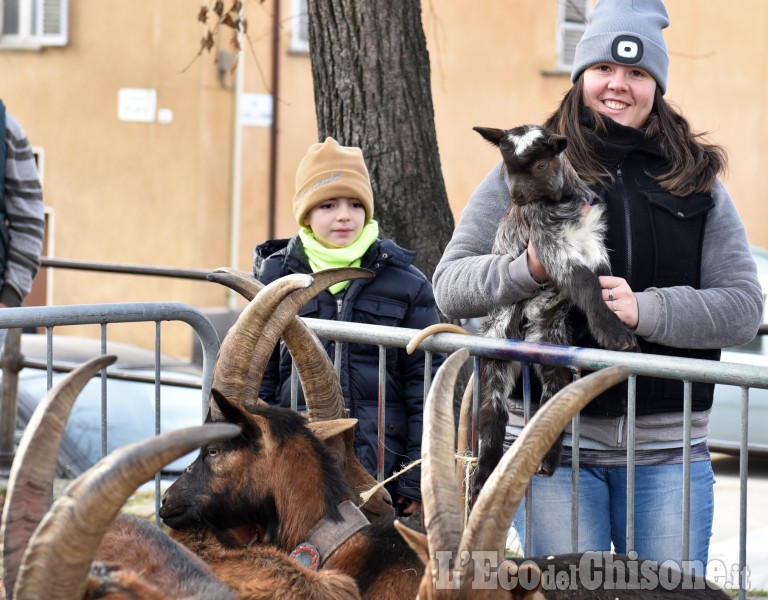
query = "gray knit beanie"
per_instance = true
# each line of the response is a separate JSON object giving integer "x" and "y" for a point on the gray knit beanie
{"x": 626, "y": 32}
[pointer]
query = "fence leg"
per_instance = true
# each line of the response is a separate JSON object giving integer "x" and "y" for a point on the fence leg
{"x": 9, "y": 387}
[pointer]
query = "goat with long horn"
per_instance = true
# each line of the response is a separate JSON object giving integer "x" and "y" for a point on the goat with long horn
{"x": 323, "y": 396}
{"x": 455, "y": 555}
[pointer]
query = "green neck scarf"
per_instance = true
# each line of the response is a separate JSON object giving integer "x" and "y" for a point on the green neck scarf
{"x": 321, "y": 257}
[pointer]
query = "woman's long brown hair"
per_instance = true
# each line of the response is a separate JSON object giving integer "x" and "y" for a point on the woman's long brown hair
{"x": 693, "y": 163}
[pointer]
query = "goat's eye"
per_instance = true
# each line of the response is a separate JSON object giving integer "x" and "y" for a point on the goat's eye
{"x": 212, "y": 451}
{"x": 541, "y": 165}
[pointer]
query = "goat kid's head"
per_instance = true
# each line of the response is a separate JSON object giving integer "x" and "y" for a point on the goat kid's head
{"x": 534, "y": 161}
{"x": 271, "y": 484}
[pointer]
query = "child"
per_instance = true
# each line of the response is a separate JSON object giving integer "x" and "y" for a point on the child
{"x": 333, "y": 206}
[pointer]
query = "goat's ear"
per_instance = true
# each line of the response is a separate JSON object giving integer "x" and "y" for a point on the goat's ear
{"x": 415, "y": 539}
{"x": 494, "y": 136}
{"x": 557, "y": 143}
{"x": 527, "y": 571}
{"x": 222, "y": 409}
{"x": 324, "y": 430}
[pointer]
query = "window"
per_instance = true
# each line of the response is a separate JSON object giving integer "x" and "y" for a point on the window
{"x": 33, "y": 23}
{"x": 299, "y": 27}
{"x": 571, "y": 25}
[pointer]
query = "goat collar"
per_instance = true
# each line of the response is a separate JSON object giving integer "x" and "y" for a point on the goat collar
{"x": 326, "y": 537}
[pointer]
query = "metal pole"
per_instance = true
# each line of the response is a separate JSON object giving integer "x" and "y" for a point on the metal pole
{"x": 11, "y": 365}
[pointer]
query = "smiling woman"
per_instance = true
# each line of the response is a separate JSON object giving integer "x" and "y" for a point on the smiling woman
{"x": 623, "y": 93}
{"x": 678, "y": 249}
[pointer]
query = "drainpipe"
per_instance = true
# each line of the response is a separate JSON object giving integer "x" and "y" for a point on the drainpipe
{"x": 236, "y": 175}
{"x": 273, "y": 134}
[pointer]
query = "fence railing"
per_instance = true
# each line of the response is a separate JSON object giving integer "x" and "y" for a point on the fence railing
{"x": 686, "y": 370}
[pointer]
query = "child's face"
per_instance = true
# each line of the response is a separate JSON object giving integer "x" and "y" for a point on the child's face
{"x": 337, "y": 222}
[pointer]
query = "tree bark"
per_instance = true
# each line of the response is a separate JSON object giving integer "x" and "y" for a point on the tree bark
{"x": 371, "y": 74}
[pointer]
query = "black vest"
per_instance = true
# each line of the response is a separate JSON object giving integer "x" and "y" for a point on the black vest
{"x": 654, "y": 240}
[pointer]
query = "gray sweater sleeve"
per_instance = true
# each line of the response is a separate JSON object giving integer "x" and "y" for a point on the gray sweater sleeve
{"x": 728, "y": 308}
{"x": 726, "y": 311}
{"x": 469, "y": 281}
{"x": 25, "y": 214}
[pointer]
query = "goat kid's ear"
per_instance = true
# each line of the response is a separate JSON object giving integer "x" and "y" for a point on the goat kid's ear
{"x": 494, "y": 136}
{"x": 558, "y": 143}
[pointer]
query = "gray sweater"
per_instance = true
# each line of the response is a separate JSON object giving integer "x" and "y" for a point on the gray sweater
{"x": 726, "y": 311}
{"x": 25, "y": 214}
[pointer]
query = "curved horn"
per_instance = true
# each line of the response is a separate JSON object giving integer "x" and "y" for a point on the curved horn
{"x": 230, "y": 375}
{"x": 30, "y": 482}
{"x": 432, "y": 330}
{"x": 463, "y": 447}
{"x": 498, "y": 501}
{"x": 439, "y": 493}
{"x": 290, "y": 307}
{"x": 59, "y": 555}
{"x": 322, "y": 391}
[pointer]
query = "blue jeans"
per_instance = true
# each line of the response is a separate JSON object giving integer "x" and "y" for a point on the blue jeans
{"x": 603, "y": 508}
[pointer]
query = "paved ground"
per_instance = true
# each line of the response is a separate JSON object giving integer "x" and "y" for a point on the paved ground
{"x": 725, "y": 540}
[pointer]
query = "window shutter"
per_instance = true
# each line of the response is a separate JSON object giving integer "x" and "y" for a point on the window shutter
{"x": 52, "y": 24}
{"x": 573, "y": 17}
{"x": 299, "y": 27}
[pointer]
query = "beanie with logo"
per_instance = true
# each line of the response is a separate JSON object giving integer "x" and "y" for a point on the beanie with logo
{"x": 328, "y": 171}
{"x": 626, "y": 32}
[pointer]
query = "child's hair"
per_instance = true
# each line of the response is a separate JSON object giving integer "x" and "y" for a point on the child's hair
{"x": 328, "y": 171}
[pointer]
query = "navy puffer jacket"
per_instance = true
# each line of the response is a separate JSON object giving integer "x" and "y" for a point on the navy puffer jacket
{"x": 399, "y": 296}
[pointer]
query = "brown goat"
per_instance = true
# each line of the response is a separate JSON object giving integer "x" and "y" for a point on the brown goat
{"x": 471, "y": 563}
{"x": 66, "y": 555}
{"x": 323, "y": 395}
{"x": 50, "y": 551}
{"x": 275, "y": 484}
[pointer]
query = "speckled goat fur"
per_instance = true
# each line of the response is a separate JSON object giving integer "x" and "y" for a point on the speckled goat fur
{"x": 548, "y": 207}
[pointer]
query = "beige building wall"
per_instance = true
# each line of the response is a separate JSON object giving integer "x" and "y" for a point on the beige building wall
{"x": 161, "y": 194}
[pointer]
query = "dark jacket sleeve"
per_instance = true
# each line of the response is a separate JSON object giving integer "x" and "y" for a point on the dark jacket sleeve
{"x": 421, "y": 314}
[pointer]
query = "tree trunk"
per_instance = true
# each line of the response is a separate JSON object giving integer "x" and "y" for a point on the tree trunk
{"x": 371, "y": 74}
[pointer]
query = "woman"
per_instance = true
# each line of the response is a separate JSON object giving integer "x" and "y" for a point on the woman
{"x": 683, "y": 280}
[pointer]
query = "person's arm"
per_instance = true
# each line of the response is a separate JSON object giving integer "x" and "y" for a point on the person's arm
{"x": 25, "y": 214}
{"x": 728, "y": 308}
{"x": 421, "y": 313}
{"x": 469, "y": 280}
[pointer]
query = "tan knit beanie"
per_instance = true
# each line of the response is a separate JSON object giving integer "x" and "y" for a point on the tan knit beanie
{"x": 331, "y": 171}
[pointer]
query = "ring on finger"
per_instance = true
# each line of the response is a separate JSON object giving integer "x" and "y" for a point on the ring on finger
{"x": 610, "y": 294}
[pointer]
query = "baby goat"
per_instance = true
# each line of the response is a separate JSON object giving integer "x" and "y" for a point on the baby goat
{"x": 547, "y": 209}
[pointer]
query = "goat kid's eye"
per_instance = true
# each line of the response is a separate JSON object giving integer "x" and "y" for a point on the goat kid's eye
{"x": 540, "y": 166}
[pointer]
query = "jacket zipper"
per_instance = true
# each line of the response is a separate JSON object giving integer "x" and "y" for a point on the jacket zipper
{"x": 627, "y": 219}
{"x": 338, "y": 304}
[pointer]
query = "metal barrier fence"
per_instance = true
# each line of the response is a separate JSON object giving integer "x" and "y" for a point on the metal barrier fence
{"x": 687, "y": 370}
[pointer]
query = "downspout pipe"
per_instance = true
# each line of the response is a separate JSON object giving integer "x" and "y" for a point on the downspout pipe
{"x": 273, "y": 134}
{"x": 236, "y": 174}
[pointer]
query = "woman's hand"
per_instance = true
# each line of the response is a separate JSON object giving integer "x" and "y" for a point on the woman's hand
{"x": 535, "y": 268}
{"x": 620, "y": 299}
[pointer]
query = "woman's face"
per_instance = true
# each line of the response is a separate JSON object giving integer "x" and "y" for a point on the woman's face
{"x": 623, "y": 93}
